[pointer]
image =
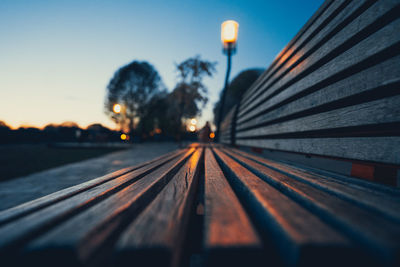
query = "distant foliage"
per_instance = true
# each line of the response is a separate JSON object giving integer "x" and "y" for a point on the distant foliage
{"x": 236, "y": 89}
{"x": 53, "y": 133}
{"x": 148, "y": 110}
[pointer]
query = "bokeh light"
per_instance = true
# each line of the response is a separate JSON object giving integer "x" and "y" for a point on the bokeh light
{"x": 117, "y": 108}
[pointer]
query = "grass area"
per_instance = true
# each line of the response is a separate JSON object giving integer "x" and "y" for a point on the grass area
{"x": 21, "y": 160}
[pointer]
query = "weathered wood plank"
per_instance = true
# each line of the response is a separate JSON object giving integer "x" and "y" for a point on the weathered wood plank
{"x": 34, "y": 205}
{"x": 227, "y": 122}
{"x": 294, "y": 81}
{"x": 380, "y": 236}
{"x": 294, "y": 231}
{"x": 227, "y": 228}
{"x": 15, "y": 233}
{"x": 364, "y": 82}
{"x": 385, "y": 110}
{"x": 384, "y": 202}
{"x": 156, "y": 237}
{"x": 325, "y": 42}
{"x": 327, "y": 25}
{"x": 77, "y": 240}
{"x": 378, "y": 149}
{"x": 312, "y": 27}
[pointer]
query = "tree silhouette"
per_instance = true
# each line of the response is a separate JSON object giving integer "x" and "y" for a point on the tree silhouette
{"x": 132, "y": 86}
{"x": 190, "y": 94}
{"x": 155, "y": 116}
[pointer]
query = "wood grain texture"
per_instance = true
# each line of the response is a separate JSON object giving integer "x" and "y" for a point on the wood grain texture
{"x": 313, "y": 25}
{"x": 353, "y": 51}
{"x": 295, "y": 231}
{"x": 321, "y": 30}
{"x": 385, "y": 110}
{"x": 384, "y": 202}
{"x": 372, "y": 231}
{"x": 76, "y": 241}
{"x": 156, "y": 236}
{"x": 16, "y": 233}
{"x": 361, "y": 83}
{"x": 37, "y": 204}
{"x": 377, "y": 149}
{"x": 229, "y": 236}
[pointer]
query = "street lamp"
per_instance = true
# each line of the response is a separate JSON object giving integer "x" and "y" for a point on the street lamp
{"x": 229, "y": 33}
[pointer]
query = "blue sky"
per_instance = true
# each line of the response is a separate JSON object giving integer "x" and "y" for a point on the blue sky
{"x": 56, "y": 57}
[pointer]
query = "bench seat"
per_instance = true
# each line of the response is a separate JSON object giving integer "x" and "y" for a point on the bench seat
{"x": 207, "y": 205}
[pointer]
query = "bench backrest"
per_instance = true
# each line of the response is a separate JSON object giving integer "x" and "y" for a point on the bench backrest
{"x": 333, "y": 91}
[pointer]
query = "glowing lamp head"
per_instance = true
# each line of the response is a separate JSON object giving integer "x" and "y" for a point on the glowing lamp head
{"x": 229, "y": 32}
{"x": 124, "y": 137}
{"x": 212, "y": 135}
{"x": 117, "y": 108}
{"x": 193, "y": 121}
{"x": 192, "y": 128}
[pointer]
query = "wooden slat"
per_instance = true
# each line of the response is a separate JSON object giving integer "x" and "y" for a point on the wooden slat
{"x": 36, "y": 204}
{"x": 344, "y": 58}
{"x": 383, "y": 201}
{"x": 323, "y": 44}
{"x": 76, "y": 240}
{"x": 312, "y": 27}
{"x": 295, "y": 232}
{"x": 380, "y": 111}
{"x": 325, "y": 24}
{"x": 364, "y": 82}
{"x": 229, "y": 237}
{"x": 15, "y": 233}
{"x": 226, "y": 123}
{"x": 377, "y": 149}
{"x": 156, "y": 237}
{"x": 379, "y": 235}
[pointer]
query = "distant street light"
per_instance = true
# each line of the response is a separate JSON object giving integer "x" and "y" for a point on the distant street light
{"x": 117, "y": 108}
{"x": 193, "y": 121}
{"x": 229, "y": 34}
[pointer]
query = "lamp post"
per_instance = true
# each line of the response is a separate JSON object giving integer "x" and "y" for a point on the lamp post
{"x": 229, "y": 33}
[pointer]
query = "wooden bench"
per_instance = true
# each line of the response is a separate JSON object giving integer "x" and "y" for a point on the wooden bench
{"x": 329, "y": 99}
{"x": 207, "y": 206}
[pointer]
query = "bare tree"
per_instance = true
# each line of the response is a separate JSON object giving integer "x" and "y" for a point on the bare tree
{"x": 190, "y": 94}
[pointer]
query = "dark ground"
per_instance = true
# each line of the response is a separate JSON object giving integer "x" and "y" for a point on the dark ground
{"x": 21, "y": 160}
